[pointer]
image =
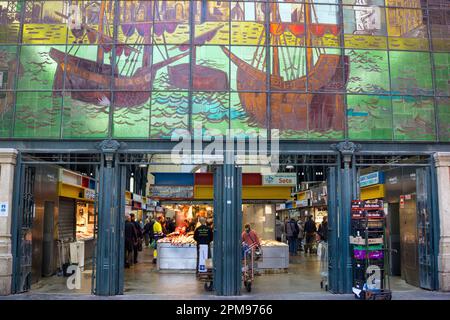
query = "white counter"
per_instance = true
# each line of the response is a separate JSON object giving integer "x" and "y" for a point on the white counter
{"x": 172, "y": 257}
{"x": 274, "y": 257}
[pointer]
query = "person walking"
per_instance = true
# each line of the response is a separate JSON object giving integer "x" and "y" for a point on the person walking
{"x": 310, "y": 234}
{"x": 130, "y": 240}
{"x": 279, "y": 229}
{"x": 301, "y": 233}
{"x": 292, "y": 231}
{"x": 148, "y": 231}
{"x": 323, "y": 230}
{"x": 138, "y": 243}
{"x": 203, "y": 236}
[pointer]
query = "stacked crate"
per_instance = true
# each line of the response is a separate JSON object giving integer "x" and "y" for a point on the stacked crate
{"x": 368, "y": 249}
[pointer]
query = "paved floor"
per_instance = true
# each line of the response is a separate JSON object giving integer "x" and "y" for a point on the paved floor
{"x": 144, "y": 282}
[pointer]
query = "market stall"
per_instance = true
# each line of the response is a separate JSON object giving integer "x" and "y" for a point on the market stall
{"x": 275, "y": 255}
{"x": 177, "y": 252}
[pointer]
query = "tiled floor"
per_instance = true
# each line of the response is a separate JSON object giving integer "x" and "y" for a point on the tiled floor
{"x": 303, "y": 277}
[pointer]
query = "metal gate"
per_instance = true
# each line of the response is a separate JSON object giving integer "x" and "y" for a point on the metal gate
{"x": 23, "y": 222}
{"x": 424, "y": 228}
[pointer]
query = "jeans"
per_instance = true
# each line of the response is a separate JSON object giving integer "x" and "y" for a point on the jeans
{"x": 292, "y": 245}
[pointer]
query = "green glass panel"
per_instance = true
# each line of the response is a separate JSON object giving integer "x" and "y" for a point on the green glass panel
{"x": 414, "y": 118}
{"x": 443, "y": 106}
{"x": 38, "y": 115}
{"x": 39, "y": 68}
{"x": 210, "y": 113}
{"x": 83, "y": 119}
{"x": 369, "y": 117}
{"x": 169, "y": 112}
{"x": 132, "y": 122}
{"x": 369, "y": 71}
{"x": 410, "y": 73}
{"x": 442, "y": 73}
{"x": 6, "y": 112}
{"x": 242, "y": 122}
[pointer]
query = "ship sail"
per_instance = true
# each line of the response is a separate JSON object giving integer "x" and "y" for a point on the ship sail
{"x": 78, "y": 74}
{"x": 292, "y": 110}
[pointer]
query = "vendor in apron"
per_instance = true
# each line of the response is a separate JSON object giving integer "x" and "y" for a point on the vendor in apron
{"x": 203, "y": 235}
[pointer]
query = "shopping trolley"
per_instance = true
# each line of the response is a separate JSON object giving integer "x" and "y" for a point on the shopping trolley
{"x": 248, "y": 270}
{"x": 323, "y": 250}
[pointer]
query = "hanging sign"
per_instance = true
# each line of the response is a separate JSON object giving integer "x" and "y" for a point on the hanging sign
{"x": 284, "y": 179}
{"x": 3, "y": 209}
{"x": 371, "y": 179}
{"x": 402, "y": 202}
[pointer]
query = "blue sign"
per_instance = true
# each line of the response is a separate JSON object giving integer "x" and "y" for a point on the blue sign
{"x": 371, "y": 179}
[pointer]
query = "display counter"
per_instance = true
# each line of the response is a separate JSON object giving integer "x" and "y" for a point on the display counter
{"x": 176, "y": 257}
{"x": 275, "y": 255}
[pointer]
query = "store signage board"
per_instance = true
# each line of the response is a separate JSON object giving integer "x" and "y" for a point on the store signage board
{"x": 280, "y": 179}
{"x": 3, "y": 209}
{"x": 172, "y": 192}
{"x": 89, "y": 194}
{"x": 371, "y": 179}
{"x": 303, "y": 203}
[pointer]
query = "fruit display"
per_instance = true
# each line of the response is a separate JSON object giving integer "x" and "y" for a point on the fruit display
{"x": 272, "y": 243}
{"x": 179, "y": 240}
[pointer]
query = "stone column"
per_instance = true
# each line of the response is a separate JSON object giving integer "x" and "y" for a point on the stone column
{"x": 442, "y": 161}
{"x": 7, "y": 165}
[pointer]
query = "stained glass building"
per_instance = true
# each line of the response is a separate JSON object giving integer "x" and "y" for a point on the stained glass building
{"x": 346, "y": 78}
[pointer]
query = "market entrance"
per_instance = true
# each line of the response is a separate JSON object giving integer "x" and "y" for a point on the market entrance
{"x": 177, "y": 196}
{"x": 54, "y": 225}
{"x": 404, "y": 187}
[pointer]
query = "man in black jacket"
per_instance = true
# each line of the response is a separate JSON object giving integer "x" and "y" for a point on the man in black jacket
{"x": 310, "y": 234}
{"x": 139, "y": 235}
{"x": 130, "y": 240}
{"x": 203, "y": 235}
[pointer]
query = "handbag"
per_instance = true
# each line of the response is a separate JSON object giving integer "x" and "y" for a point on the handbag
{"x": 139, "y": 245}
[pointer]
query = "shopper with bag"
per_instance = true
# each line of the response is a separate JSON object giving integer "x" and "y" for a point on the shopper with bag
{"x": 292, "y": 231}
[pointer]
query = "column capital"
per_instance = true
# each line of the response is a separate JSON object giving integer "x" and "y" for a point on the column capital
{"x": 442, "y": 159}
{"x": 8, "y": 156}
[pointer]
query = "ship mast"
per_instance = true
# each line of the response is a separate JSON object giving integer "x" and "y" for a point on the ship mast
{"x": 100, "y": 53}
{"x": 148, "y": 50}
{"x": 309, "y": 49}
{"x": 276, "y": 56}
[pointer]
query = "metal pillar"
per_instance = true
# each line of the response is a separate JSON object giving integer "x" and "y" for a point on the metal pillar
{"x": 346, "y": 193}
{"x": 109, "y": 255}
{"x": 333, "y": 252}
{"x": 227, "y": 230}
